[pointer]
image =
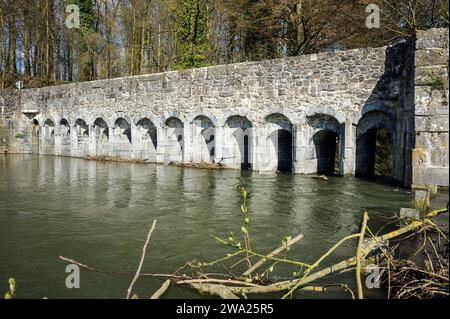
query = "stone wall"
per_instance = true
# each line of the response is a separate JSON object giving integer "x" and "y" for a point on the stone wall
{"x": 431, "y": 152}
{"x": 289, "y": 114}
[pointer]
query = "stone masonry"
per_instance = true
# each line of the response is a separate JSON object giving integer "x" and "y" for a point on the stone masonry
{"x": 307, "y": 114}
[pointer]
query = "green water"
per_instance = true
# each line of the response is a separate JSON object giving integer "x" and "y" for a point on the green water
{"x": 100, "y": 213}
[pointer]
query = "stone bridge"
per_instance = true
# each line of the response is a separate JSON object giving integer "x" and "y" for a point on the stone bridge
{"x": 311, "y": 114}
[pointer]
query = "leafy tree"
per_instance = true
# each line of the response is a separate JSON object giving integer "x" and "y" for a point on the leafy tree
{"x": 191, "y": 34}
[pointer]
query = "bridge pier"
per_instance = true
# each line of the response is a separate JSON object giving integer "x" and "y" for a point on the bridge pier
{"x": 311, "y": 114}
{"x": 348, "y": 155}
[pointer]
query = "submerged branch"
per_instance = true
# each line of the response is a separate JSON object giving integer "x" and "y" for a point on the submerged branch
{"x": 138, "y": 271}
{"x": 161, "y": 290}
{"x": 359, "y": 255}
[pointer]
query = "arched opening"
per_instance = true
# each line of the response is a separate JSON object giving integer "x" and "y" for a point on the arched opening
{"x": 374, "y": 149}
{"x": 64, "y": 135}
{"x": 174, "y": 140}
{"x": 82, "y": 136}
{"x": 284, "y": 151}
{"x": 147, "y": 140}
{"x": 374, "y": 145}
{"x": 326, "y": 144}
{"x": 280, "y": 151}
{"x": 35, "y": 137}
{"x": 203, "y": 140}
{"x": 238, "y": 143}
{"x": 101, "y": 131}
{"x": 49, "y": 137}
{"x": 122, "y": 130}
{"x": 122, "y": 138}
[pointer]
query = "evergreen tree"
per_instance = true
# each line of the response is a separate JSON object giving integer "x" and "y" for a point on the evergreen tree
{"x": 192, "y": 34}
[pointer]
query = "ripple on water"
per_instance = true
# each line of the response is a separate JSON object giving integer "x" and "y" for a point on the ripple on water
{"x": 100, "y": 213}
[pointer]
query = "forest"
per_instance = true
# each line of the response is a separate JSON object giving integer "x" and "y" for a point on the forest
{"x": 119, "y": 38}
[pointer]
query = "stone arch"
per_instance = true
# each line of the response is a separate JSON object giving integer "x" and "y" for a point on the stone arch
{"x": 48, "y": 136}
{"x": 313, "y": 111}
{"x": 35, "y": 132}
{"x": 203, "y": 139}
{"x": 292, "y": 117}
{"x": 67, "y": 123}
{"x": 371, "y": 127}
{"x": 49, "y": 128}
{"x": 147, "y": 139}
{"x": 122, "y": 141}
{"x": 118, "y": 119}
{"x": 104, "y": 118}
{"x": 321, "y": 121}
{"x": 64, "y": 137}
{"x": 100, "y": 129}
{"x": 238, "y": 142}
{"x": 174, "y": 140}
{"x": 174, "y": 122}
{"x": 242, "y": 112}
{"x": 280, "y": 143}
{"x": 375, "y": 119}
{"x": 173, "y": 114}
{"x": 369, "y": 108}
{"x": 36, "y": 121}
{"x": 64, "y": 126}
{"x": 122, "y": 129}
{"x": 155, "y": 120}
{"x": 82, "y": 128}
{"x": 206, "y": 113}
{"x": 81, "y": 136}
{"x": 325, "y": 140}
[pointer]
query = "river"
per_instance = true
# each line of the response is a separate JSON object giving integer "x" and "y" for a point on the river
{"x": 99, "y": 213}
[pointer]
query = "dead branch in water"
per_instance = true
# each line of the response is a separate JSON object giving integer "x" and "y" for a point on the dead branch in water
{"x": 138, "y": 271}
{"x": 359, "y": 255}
{"x": 161, "y": 290}
{"x": 213, "y": 283}
{"x": 118, "y": 273}
{"x": 277, "y": 251}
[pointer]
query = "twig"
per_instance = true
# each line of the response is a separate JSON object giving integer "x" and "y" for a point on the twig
{"x": 109, "y": 272}
{"x": 359, "y": 255}
{"x": 216, "y": 281}
{"x": 285, "y": 285}
{"x": 273, "y": 253}
{"x": 138, "y": 271}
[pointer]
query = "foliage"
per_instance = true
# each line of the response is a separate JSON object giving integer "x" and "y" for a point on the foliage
{"x": 191, "y": 34}
{"x": 129, "y": 37}
{"x": 20, "y": 135}
{"x": 12, "y": 289}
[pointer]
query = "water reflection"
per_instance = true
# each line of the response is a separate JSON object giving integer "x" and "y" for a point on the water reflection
{"x": 100, "y": 212}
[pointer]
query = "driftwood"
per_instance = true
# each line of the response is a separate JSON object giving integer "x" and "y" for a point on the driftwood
{"x": 138, "y": 271}
{"x": 161, "y": 290}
